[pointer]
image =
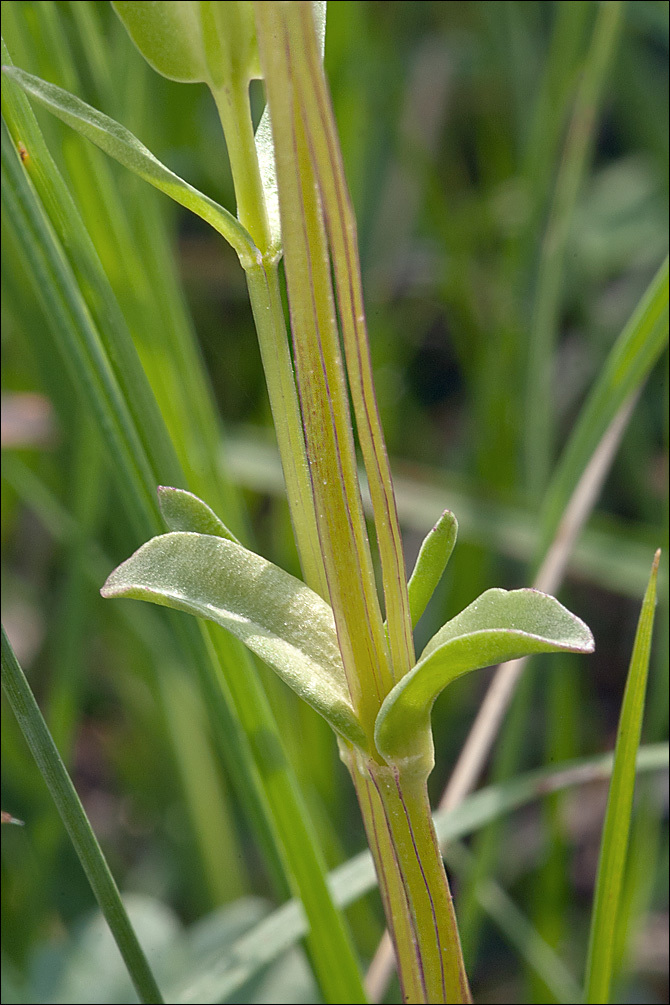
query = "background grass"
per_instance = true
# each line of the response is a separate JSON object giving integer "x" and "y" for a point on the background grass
{"x": 453, "y": 120}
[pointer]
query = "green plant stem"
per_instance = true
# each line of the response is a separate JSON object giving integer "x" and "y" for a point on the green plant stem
{"x": 412, "y": 880}
{"x": 267, "y": 307}
{"x": 64, "y": 794}
{"x": 232, "y": 103}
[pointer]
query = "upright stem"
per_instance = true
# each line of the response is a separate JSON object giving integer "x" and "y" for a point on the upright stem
{"x": 266, "y": 304}
{"x": 232, "y": 102}
{"x": 412, "y": 880}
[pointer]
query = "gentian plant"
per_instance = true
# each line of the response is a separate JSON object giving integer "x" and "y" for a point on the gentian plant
{"x": 342, "y": 646}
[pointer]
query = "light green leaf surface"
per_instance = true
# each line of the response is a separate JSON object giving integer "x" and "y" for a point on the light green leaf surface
{"x": 500, "y": 625}
{"x": 279, "y": 618}
{"x": 431, "y": 562}
{"x": 119, "y": 143}
{"x": 169, "y": 36}
{"x": 183, "y": 510}
{"x": 194, "y": 42}
{"x": 619, "y": 805}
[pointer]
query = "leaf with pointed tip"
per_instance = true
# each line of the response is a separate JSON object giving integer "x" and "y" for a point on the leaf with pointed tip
{"x": 500, "y": 625}
{"x": 183, "y": 510}
{"x": 606, "y": 918}
{"x": 431, "y": 562}
{"x": 279, "y": 618}
{"x": 119, "y": 143}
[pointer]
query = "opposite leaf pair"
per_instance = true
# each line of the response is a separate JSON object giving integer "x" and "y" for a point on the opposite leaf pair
{"x": 201, "y": 568}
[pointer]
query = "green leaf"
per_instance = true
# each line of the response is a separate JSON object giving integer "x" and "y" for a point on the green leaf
{"x": 183, "y": 510}
{"x": 119, "y": 143}
{"x": 72, "y": 813}
{"x": 431, "y": 562}
{"x": 279, "y": 618}
{"x": 619, "y": 804}
{"x": 194, "y": 42}
{"x": 498, "y": 626}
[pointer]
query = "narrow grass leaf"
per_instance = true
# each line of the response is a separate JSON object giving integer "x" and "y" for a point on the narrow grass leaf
{"x": 629, "y": 362}
{"x": 101, "y": 302}
{"x": 63, "y": 792}
{"x": 182, "y": 510}
{"x": 431, "y": 562}
{"x": 616, "y": 829}
{"x": 78, "y": 338}
{"x": 500, "y": 625}
{"x": 547, "y": 303}
{"x": 119, "y": 143}
{"x": 279, "y": 618}
{"x": 265, "y": 146}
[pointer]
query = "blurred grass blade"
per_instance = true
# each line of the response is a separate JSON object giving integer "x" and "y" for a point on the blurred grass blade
{"x": 78, "y": 338}
{"x": 101, "y": 303}
{"x": 619, "y": 805}
{"x": 352, "y": 880}
{"x": 119, "y": 143}
{"x": 612, "y": 555}
{"x": 267, "y": 785}
{"x": 628, "y": 364}
{"x": 63, "y": 792}
{"x": 539, "y": 426}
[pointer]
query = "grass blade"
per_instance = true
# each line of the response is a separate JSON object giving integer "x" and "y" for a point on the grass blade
{"x": 67, "y": 801}
{"x": 614, "y": 843}
{"x": 628, "y": 364}
{"x": 546, "y": 309}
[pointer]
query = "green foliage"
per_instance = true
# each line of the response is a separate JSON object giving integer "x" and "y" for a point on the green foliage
{"x": 430, "y": 563}
{"x": 191, "y": 42}
{"x": 616, "y": 830}
{"x": 496, "y": 627}
{"x": 461, "y": 139}
{"x": 120, "y": 144}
